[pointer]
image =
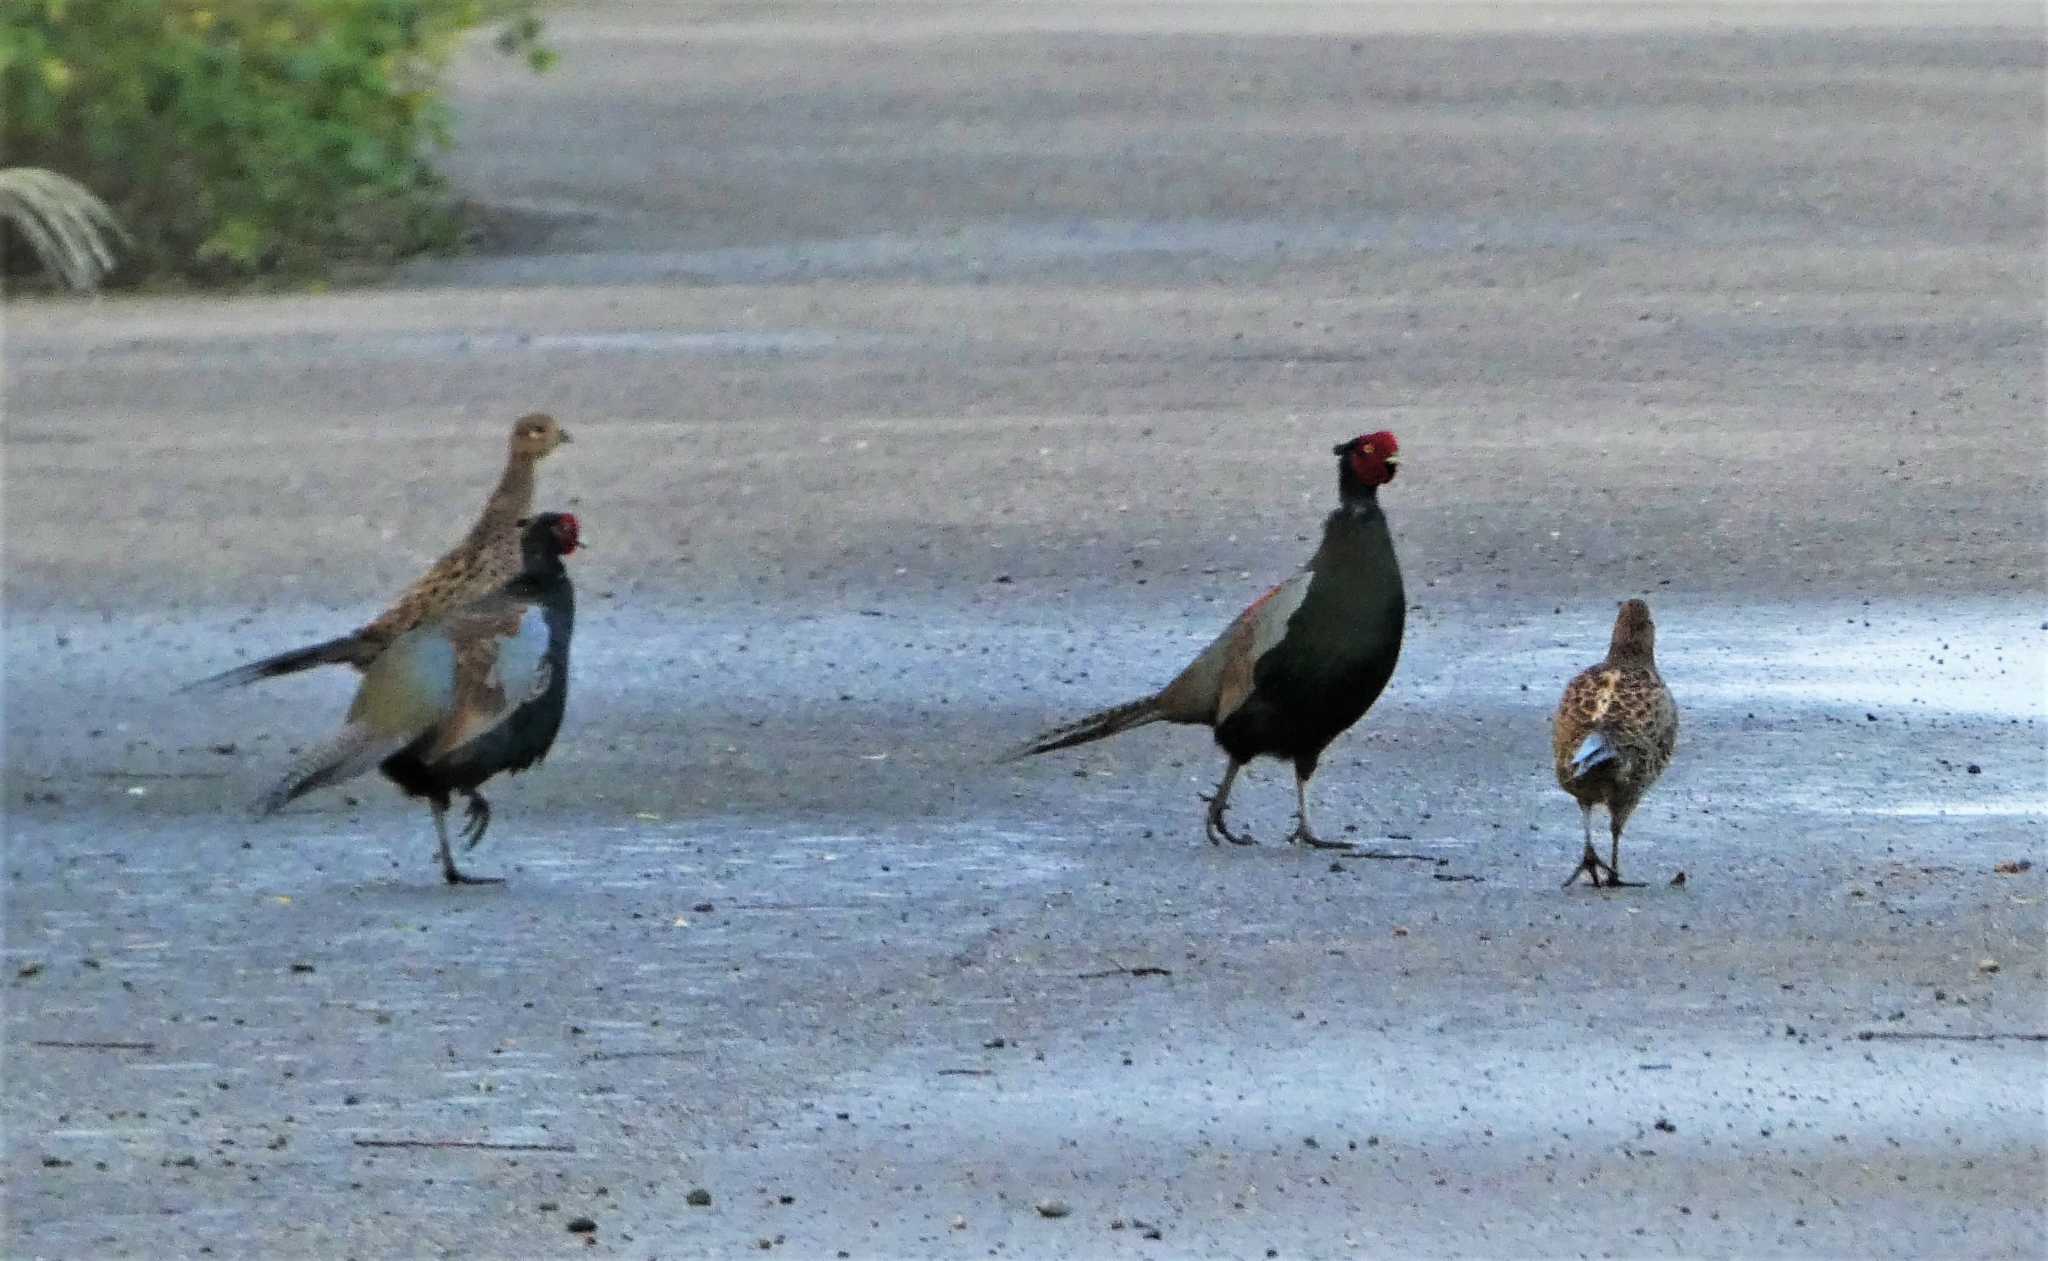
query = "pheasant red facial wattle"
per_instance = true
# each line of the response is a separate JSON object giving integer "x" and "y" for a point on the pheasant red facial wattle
{"x": 1371, "y": 459}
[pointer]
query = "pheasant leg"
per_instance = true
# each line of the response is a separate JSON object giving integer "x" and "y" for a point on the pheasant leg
{"x": 449, "y": 872}
{"x": 1303, "y": 834}
{"x": 1590, "y": 865}
{"x": 1614, "y": 880}
{"x": 478, "y": 821}
{"x": 1218, "y": 830}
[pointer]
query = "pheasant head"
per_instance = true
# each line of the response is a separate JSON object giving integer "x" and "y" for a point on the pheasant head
{"x": 1635, "y": 635}
{"x": 535, "y": 435}
{"x": 1366, "y": 463}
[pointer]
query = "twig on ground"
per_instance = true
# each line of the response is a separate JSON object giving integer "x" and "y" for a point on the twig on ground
{"x": 1873, "y": 1035}
{"x": 465, "y": 1144}
{"x": 1143, "y": 969}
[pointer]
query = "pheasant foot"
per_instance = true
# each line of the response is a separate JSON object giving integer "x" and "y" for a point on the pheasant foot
{"x": 1614, "y": 880}
{"x": 1303, "y": 836}
{"x": 1218, "y": 830}
{"x": 477, "y": 821}
{"x": 453, "y": 876}
{"x": 1589, "y": 866}
{"x": 449, "y": 871}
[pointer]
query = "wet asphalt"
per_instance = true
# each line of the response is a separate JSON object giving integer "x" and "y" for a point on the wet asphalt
{"x": 876, "y": 486}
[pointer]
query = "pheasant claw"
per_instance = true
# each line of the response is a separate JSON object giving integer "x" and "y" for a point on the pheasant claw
{"x": 454, "y": 876}
{"x": 1589, "y": 866}
{"x": 1219, "y": 831}
{"x": 477, "y": 821}
{"x": 1302, "y": 836}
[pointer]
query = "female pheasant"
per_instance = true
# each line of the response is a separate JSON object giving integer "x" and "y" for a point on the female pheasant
{"x": 1299, "y": 666}
{"x": 487, "y": 557}
{"x": 458, "y": 699}
{"x": 1614, "y": 734}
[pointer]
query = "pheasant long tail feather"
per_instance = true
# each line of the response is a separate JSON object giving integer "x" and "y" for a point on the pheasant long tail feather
{"x": 1095, "y": 726}
{"x": 352, "y": 650}
{"x": 354, "y": 749}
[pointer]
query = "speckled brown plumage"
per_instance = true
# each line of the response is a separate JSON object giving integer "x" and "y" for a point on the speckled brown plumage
{"x": 486, "y": 558}
{"x": 1615, "y": 731}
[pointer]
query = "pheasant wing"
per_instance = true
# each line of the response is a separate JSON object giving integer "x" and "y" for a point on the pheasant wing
{"x": 1217, "y": 682}
{"x": 500, "y": 648}
{"x": 1586, "y": 700}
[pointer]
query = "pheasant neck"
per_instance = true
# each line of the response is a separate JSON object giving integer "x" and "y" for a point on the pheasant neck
{"x": 513, "y": 496}
{"x": 541, "y": 580}
{"x": 1358, "y": 499}
{"x": 1632, "y": 652}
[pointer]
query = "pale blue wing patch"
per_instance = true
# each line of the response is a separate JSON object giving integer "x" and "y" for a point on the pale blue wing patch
{"x": 494, "y": 676}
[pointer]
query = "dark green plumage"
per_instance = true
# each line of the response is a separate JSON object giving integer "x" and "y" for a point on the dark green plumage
{"x": 1303, "y": 663}
{"x": 1338, "y": 653}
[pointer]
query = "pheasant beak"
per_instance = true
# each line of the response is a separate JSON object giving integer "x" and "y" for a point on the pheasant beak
{"x": 1340, "y": 449}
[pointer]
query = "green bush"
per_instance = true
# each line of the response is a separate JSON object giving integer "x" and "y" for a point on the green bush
{"x": 240, "y": 138}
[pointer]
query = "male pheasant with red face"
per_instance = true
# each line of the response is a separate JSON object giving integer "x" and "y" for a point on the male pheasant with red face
{"x": 486, "y": 558}
{"x": 1614, "y": 734}
{"x": 458, "y": 699}
{"x": 1299, "y": 666}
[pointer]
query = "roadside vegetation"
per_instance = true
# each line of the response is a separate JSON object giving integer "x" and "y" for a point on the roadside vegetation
{"x": 229, "y": 141}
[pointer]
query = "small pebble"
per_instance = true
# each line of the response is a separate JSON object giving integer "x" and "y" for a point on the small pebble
{"x": 581, "y": 1225}
{"x": 1053, "y": 1208}
{"x": 698, "y": 1198}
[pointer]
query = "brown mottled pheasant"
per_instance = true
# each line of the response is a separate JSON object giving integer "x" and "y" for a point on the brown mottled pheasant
{"x": 1614, "y": 734}
{"x": 485, "y": 559}
{"x": 1299, "y": 666}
